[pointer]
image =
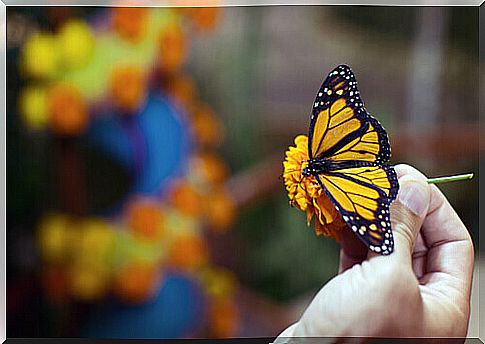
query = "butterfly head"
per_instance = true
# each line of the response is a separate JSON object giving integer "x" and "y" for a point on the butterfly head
{"x": 307, "y": 171}
{"x": 314, "y": 166}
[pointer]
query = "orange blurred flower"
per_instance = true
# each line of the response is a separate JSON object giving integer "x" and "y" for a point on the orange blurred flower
{"x": 128, "y": 87}
{"x": 223, "y": 318}
{"x": 183, "y": 90}
{"x": 68, "y": 114}
{"x": 220, "y": 210}
{"x": 306, "y": 194}
{"x": 145, "y": 218}
{"x": 209, "y": 167}
{"x": 172, "y": 48}
{"x": 187, "y": 251}
{"x": 204, "y": 18}
{"x": 206, "y": 127}
{"x": 130, "y": 22}
{"x": 185, "y": 198}
{"x": 136, "y": 282}
{"x": 54, "y": 282}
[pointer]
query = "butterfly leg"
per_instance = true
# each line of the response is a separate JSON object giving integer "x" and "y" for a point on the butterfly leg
{"x": 298, "y": 186}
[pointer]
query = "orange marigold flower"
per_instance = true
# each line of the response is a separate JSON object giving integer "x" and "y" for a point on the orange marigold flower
{"x": 188, "y": 251}
{"x": 185, "y": 198}
{"x": 146, "y": 219}
{"x": 306, "y": 194}
{"x": 182, "y": 89}
{"x": 208, "y": 167}
{"x": 206, "y": 127}
{"x": 224, "y": 318}
{"x": 172, "y": 48}
{"x": 220, "y": 210}
{"x": 68, "y": 111}
{"x": 204, "y": 18}
{"x": 137, "y": 282}
{"x": 130, "y": 22}
{"x": 54, "y": 282}
{"x": 128, "y": 87}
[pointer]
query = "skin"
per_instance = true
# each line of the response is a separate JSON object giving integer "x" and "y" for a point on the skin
{"x": 421, "y": 290}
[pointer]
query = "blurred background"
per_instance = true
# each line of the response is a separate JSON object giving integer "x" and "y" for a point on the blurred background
{"x": 145, "y": 147}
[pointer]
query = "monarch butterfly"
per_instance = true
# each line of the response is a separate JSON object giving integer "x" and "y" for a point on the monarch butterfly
{"x": 348, "y": 153}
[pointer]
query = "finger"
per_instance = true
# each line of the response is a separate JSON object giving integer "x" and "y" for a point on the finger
{"x": 450, "y": 248}
{"x": 407, "y": 215}
{"x": 353, "y": 251}
{"x": 403, "y": 170}
{"x": 419, "y": 257}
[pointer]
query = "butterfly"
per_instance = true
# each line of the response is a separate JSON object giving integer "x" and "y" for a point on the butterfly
{"x": 348, "y": 152}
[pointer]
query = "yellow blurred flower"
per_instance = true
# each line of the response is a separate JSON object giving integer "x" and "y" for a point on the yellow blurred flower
{"x": 306, "y": 194}
{"x": 130, "y": 247}
{"x": 128, "y": 87}
{"x": 95, "y": 243}
{"x": 68, "y": 111}
{"x": 76, "y": 43}
{"x": 130, "y": 22}
{"x": 172, "y": 48}
{"x": 206, "y": 127}
{"x": 219, "y": 283}
{"x": 40, "y": 56}
{"x": 52, "y": 238}
{"x": 87, "y": 283}
{"x": 33, "y": 107}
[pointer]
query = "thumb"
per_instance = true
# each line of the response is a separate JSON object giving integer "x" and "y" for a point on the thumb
{"x": 407, "y": 215}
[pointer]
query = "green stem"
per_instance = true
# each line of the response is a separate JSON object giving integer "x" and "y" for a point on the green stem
{"x": 450, "y": 178}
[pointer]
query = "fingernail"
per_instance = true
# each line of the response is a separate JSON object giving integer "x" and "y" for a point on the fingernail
{"x": 413, "y": 196}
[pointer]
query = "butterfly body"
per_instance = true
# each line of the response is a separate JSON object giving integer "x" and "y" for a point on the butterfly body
{"x": 316, "y": 167}
{"x": 348, "y": 153}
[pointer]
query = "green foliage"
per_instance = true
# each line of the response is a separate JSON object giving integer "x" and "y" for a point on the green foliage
{"x": 284, "y": 258}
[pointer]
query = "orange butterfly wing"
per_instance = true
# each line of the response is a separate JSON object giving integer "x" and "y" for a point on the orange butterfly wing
{"x": 362, "y": 195}
{"x": 360, "y": 185}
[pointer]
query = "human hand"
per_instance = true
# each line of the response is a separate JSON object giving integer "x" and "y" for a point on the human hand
{"x": 421, "y": 290}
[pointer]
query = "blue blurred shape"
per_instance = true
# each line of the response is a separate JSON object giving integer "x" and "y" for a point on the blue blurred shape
{"x": 175, "y": 312}
{"x": 167, "y": 144}
{"x": 152, "y": 144}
